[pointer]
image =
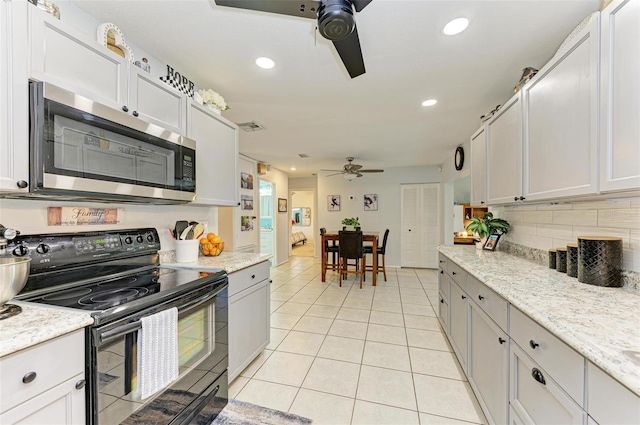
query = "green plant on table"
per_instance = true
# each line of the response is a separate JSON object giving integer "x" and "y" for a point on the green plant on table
{"x": 488, "y": 225}
{"x": 351, "y": 221}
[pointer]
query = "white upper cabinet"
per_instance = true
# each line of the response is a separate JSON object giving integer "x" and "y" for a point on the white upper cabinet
{"x": 14, "y": 120}
{"x": 65, "y": 57}
{"x": 479, "y": 168}
{"x": 620, "y": 97}
{"x": 217, "y": 176}
{"x": 504, "y": 153}
{"x": 156, "y": 102}
{"x": 561, "y": 121}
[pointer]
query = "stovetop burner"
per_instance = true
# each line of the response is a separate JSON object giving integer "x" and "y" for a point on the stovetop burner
{"x": 111, "y": 297}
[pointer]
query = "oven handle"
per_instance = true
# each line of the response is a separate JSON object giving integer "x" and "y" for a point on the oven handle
{"x": 120, "y": 331}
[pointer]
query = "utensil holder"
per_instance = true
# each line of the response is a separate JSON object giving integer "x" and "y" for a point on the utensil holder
{"x": 572, "y": 260}
{"x": 552, "y": 259}
{"x": 561, "y": 260}
{"x": 187, "y": 250}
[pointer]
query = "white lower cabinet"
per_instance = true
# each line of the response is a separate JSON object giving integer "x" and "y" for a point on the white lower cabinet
{"x": 536, "y": 397}
{"x": 44, "y": 384}
{"x": 488, "y": 369}
{"x": 458, "y": 322}
{"x": 249, "y": 316}
{"x": 610, "y": 403}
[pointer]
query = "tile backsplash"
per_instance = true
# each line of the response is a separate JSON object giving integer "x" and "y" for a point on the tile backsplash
{"x": 549, "y": 226}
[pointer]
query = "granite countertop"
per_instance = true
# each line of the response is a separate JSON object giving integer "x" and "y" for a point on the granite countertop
{"x": 227, "y": 261}
{"x": 602, "y": 324}
{"x": 38, "y": 324}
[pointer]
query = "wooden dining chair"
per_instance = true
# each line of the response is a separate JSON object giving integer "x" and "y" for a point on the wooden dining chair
{"x": 382, "y": 250}
{"x": 350, "y": 248}
{"x": 329, "y": 249}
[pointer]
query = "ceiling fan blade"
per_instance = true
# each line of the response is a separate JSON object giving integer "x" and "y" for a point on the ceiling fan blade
{"x": 336, "y": 174}
{"x": 358, "y": 175}
{"x": 337, "y": 171}
{"x": 371, "y": 171}
{"x": 351, "y": 54}
{"x": 360, "y": 4}
{"x": 301, "y": 8}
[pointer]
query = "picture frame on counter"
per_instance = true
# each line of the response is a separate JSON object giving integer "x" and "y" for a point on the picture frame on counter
{"x": 492, "y": 242}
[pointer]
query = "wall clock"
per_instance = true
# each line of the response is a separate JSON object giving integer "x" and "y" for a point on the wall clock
{"x": 459, "y": 158}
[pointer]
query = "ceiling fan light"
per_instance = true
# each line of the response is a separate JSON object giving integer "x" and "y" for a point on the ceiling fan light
{"x": 456, "y": 26}
{"x": 350, "y": 177}
{"x": 265, "y": 63}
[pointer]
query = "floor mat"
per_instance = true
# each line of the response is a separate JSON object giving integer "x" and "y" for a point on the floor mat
{"x": 240, "y": 413}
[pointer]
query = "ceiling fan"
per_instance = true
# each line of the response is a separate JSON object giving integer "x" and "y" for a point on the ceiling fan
{"x": 336, "y": 22}
{"x": 351, "y": 171}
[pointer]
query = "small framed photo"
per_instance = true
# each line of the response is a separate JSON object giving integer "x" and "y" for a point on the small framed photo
{"x": 282, "y": 205}
{"x": 492, "y": 242}
{"x": 370, "y": 202}
{"x": 333, "y": 203}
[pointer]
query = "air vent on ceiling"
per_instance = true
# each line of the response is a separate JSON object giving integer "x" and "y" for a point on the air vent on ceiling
{"x": 251, "y": 126}
{"x": 303, "y": 155}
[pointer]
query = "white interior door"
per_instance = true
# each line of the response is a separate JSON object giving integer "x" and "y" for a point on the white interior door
{"x": 420, "y": 226}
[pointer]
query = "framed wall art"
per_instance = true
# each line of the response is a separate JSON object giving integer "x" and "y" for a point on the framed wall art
{"x": 333, "y": 203}
{"x": 282, "y": 205}
{"x": 370, "y": 202}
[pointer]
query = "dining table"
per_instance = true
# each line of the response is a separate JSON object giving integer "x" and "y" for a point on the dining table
{"x": 332, "y": 235}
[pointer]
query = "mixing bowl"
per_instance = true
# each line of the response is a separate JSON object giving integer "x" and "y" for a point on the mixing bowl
{"x": 13, "y": 276}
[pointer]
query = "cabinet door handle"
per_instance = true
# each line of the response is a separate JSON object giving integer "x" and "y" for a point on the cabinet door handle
{"x": 480, "y": 297}
{"x": 22, "y": 184}
{"x": 522, "y": 198}
{"x": 501, "y": 340}
{"x": 533, "y": 344}
{"x": 80, "y": 384}
{"x": 125, "y": 109}
{"x": 135, "y": 113}
{"x": 538, "y": 376}
{"x": 441, "y": 271}
{"x": 253, "y": 276}
{"x": 515, "y": 198}
{"x": 453, "y": 273}
{"x": 464, "y": 297}
{"x": 441, "y": 300}
{"x": 441, "y": 261}
{"x": 29, "y": 377}
{"x": 270, "y": 281}
{"x": 481, "y": 202}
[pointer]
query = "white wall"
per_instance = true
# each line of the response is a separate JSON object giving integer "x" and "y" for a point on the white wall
{"x": 303, "y": 183}
{"x": 283, "y": 220}
{"x": 304, "y": 199}
{"x": 549, "y": 226}
{"x": 387, "y": 186}
{"x": 30, "y": 217}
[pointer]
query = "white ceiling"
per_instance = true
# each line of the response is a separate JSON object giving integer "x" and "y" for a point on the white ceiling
{"x": 308, "y": 103}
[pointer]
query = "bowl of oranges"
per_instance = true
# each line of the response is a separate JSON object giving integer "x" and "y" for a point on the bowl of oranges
{"x": 211, "y": 245}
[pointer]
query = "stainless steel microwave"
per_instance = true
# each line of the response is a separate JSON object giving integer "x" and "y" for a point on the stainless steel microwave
{"x": 81, "y": 149}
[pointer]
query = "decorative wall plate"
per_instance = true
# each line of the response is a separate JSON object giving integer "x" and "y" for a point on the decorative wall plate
{"x": 110, "y": 36}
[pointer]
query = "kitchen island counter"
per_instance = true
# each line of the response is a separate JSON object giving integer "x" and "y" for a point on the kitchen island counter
{"x": 602, "y": 324}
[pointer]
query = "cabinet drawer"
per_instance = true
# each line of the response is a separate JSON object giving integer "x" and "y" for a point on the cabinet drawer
{"x": 458, "y": 274}
{"x": 53, "y": 362}
{"x": 565, "y": 365}
{"x": 442, "y": 262}
{"x": 243, "y": 279}
{"x": 610, "y": 403}
{"x": 539, "y": 401}
{"x": 492, "y": 304}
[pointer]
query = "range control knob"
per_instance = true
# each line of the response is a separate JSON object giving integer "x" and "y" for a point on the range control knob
{"x": 128, "y": 240}
{"x": 20, "y": 250}
{"x": 140, "y": 239}
{"x": 150, "y": 238}
{"x": 43, "y": 248}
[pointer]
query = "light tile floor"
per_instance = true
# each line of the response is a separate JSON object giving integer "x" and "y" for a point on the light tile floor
{"x": 345, "y": 355}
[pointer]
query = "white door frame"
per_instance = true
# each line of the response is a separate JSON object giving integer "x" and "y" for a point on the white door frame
{"x": 274, "y": 216}
{"x": 314, "y": 220}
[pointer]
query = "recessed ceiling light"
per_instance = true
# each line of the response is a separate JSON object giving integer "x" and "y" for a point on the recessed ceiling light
{"x": 293, "y": 168}
{"x": 265, "y": 63}
{"x": 456, "y": 26}
{"x": 429, "y": 102}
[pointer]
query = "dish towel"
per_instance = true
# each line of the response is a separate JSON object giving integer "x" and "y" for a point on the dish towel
{"x": 157, "y": 352}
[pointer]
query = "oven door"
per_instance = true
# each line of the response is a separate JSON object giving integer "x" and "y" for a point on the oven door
{"x": 201, "y": 388}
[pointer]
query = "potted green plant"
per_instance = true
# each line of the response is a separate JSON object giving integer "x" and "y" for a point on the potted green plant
{"x": 486, "y": 226}
{"x": 352, "y": 222}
